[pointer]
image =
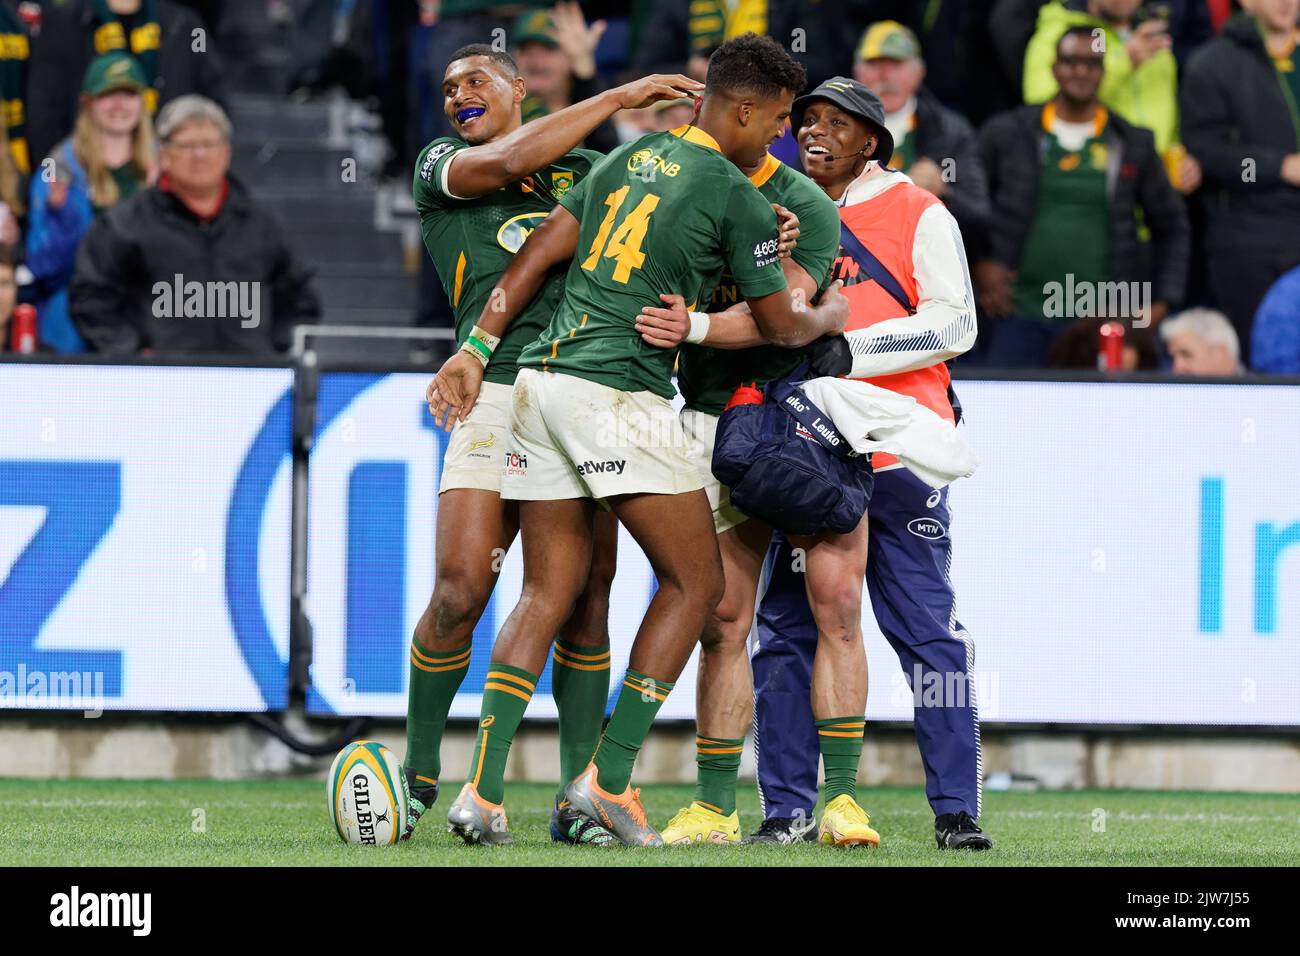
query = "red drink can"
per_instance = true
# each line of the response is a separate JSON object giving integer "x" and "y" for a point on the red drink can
{"x": 30, "y": 14}
{"x": 1110, "y": 347}
{"x": 24, "y": 332}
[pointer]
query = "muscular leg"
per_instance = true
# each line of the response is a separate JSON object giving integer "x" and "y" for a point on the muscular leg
{"x": 472, "y": 525}
{"x": 724, "y": 698}
{"x": 557, "y": 538}
{"x": 723, "y": 691}
{"x": 676, "y": 534}
{"x": 580, "y": 668}
{"x": 836, "y": 565}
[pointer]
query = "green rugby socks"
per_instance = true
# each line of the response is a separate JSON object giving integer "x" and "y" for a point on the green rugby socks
{"x": 435, "y": 679}
{"x": 505, "y": 698}
{"x": 580, "y": 683}
{"x": 638, "y": 703}
{"x": 717, "y": 762}
{"x": 840, "y": 741}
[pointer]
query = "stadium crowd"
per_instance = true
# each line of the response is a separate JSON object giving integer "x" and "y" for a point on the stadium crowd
{"x": 1105, "y": 159}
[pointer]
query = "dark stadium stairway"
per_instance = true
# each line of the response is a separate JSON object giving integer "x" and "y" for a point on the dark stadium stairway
{"x": 291, "y": 154}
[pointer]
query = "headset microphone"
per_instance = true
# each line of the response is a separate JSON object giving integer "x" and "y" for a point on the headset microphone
{"x": 830, "y": 159}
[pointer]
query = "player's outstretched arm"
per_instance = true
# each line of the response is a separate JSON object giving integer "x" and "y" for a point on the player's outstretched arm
{"x": 489, "y": 166}
{"x": 786, "y": 319}
{"x": 454, "y": 390}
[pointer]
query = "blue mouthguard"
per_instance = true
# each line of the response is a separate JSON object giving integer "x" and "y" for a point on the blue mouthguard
{"x": 469, "y": 113}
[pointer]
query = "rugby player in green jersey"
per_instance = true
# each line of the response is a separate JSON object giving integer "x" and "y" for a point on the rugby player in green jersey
{"x": 478, "y": 197}
{"x": 707, "y": 376}
{"x": 592, "y": 417}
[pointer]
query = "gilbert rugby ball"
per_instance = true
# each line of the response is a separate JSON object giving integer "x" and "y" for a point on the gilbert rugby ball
{"x": 367, "y": 795}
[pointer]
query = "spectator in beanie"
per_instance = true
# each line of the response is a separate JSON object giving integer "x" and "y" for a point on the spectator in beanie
{"x": 192, "y": 265}
{"x": 1276, "y": 345}
{"x": 108, "y": 157}
{"x": 160, "y": 34}
{"x": 934, "y": 145}
{"x": 1141, "y": 77}
{"x": 1241, "y": 120}
{"x": 1066, "y": 181}
{"x": 1201, "y": 342}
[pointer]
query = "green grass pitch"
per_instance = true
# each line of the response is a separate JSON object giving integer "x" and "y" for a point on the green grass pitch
{"x": 284, "y": 822}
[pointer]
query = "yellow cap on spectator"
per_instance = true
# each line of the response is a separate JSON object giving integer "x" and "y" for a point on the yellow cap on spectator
{"x": 114, "y": 71}
{"x": 889, "y": 40}
{"x": 534, "y": 26}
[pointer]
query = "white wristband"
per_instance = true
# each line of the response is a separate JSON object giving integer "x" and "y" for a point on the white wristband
{"x": 699, "y": 327}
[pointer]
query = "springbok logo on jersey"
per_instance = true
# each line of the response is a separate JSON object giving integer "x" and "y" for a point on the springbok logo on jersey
{"x": 561, "y": 183}
{"x": 515, "y": 231}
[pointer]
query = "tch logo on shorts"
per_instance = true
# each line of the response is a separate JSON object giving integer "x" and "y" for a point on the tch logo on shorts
{"x": 599, "y": 467}
{"x": 516, "y": 464}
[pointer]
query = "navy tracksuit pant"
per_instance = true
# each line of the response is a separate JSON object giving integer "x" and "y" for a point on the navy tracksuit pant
{"x": 907, "y": 580}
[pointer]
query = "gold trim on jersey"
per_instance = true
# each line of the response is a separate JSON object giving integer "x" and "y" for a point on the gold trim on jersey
{"x": 765, "y": 171}
{"x": 693, "y": 134}
{"x": 460, "y": 277}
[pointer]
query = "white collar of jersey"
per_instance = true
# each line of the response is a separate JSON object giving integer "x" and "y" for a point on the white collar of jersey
{"x": 867, "y": 187}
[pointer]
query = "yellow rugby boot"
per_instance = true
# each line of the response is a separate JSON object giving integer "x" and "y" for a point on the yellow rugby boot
{"x": 844, "y": 823}
{"x": 698, "y": 823}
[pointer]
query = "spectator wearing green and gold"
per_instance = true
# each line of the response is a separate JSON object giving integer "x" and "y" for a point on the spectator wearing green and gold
{"x": 173, "y": 48}
{"x": 1069, "y": 181}
{"x": 111, "y": 154}
{"x": 556, "y": 53}
{"x": 1141, "y": 78}
{"x": 678, "y": 36}
{"x": 934, "y": 145}
{"x": 15, "y": 50}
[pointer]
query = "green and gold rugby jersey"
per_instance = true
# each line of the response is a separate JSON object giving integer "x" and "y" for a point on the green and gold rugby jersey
{"x": 664, "y": 213}
{"x": 707, "y": 376}
{"x": 471, "y": 241}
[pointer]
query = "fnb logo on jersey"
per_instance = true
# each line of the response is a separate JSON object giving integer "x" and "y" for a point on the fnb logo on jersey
{"x": 646, "y": 163}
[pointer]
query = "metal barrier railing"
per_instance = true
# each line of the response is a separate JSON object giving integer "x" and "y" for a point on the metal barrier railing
{"x": 301, "y": 333}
